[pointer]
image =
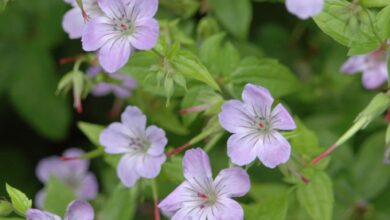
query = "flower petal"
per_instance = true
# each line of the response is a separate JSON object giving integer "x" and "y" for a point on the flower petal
{"x": 274, "y": 150}
{"x": 79, "y": 210}
{"x": 73, "y": 23}
{"x": 189, "y": 214}
{"x": 133, "y": 118}
{"x": 40, "y": 198}
{"x": 354, "y": 64}
{"x": 112, "y": 8}
{"x": 75, "y": 167}
{"x": 304, "y": 8}
{"x": 96, "y": 33}
{"x": 242, "y": 148}
{"x": 141, "y": 8}
{"x": 172, "y": 203}
{"x": 127, "y": 170}
{"x": 115, "y": 138}
{"x": 235, "y": 118}
{"x": 88, "y": 188}
{"x": 257, "y": 97}
{"x": 196, "y": 165}
{"x": 233, "y": 182}
{"x": 226, "y": 209}
{"x": 48, "y": 167}
{"x": 146, "y": 34}
{"x": 281, "y": 119}
{"x": 149, "y": 166}
{"x": 101, "y": 89}
{"x": 375, "y": 77}
{"x": 36, "y": 214}
{"x": 115, "y": 53}
{"x": 157, "y": 139}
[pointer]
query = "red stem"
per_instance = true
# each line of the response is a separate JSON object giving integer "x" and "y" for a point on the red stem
{"x": 66, "y": 60}
{"x": 324, "y": 154}
{"x": 178, "y": 150}
{"x": 198, "y": 108}
{"x": 65, "y": 158}
{"x": 156, "y": 210}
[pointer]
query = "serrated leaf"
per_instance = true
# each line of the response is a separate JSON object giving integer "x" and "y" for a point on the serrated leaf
{"x": 91, "y": 131}
{"x": 316, "y": 197}
{"x": 236, "y": 25}
{"x": 268, "y": 73}
{"x": 20, "y": 201}
{"x": 58, "y": 196}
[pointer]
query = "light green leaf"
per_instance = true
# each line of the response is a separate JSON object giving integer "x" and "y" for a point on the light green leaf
{"x": 305, "y": 141}
{"x": 173, "y": 170}
{"x": 58, "y": 196}
{"x": 316, "y": 197}
{"x": 20, "y": 201}
{"x": 234, "y": 15}
{"x": 91, "y": 131}
{"x": 122, "y": 204}
{"x": 268, "y": 73}
{"x": 5, "y": 208}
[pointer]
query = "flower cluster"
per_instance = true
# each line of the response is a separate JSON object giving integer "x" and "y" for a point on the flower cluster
{"x": 74, "y": 173}
{"x": 77, "y": 210}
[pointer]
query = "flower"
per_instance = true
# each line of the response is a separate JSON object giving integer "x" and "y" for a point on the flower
{"x": 201, "y": 197}
{"x": 143, "y": 148}
{"x": 121, "y": 86}
{"x": 74, "y": 21}
{"x": 255, "y": 128}
{"x": 77, "y": 210}
{"x": 305, "y": 8}
{"x": 126, "y": 25}
{"x": 373, "y": 66}
{"x": 73, "y": 173}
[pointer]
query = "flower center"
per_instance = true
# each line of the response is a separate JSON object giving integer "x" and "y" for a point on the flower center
{"x": 262, "y": 124}
{"x": 123, "y": 25}
{"x": 139, "y": 144}
{"x": 207, "y": 200}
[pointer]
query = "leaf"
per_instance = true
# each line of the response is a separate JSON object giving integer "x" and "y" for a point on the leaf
{"x": 316, "y": 197}
{"x": 121, "y": 205}
{"x": 348, "y": 24}
{"x": 35, "y": 100}
{"x": 305, "y": 142}
{"x": 91, "y": 131}
{"x": 20, "y": 201}
{"x": 234, "y": 15}
{"x": 189, "y": 65}
{"x": 265, "y": 72}
{"x": 5, "y": 208}
{"x": 173, "y": 170}
{"x": 219, "y": 57}
{"x": 370, "y": 174}
{"x": 58, "y": 196}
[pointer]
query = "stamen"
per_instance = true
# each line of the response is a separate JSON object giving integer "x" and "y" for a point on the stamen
{"x": 203, "y": 196}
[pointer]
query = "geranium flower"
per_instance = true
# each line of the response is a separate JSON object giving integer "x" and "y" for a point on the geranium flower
{"x": 200, "y": 197}
{"x": 126, "y": 25}
{"x": 74, "y": 21}
{"x": 143, "y": 148}
{"x": 77, "y": 210}
{"x": 305, "y": 9}
{"x": 373, "y": 66}
{"x": 256, "y": 128}
{"x": 121, "y": 86}
{"x": 73, "y": 173}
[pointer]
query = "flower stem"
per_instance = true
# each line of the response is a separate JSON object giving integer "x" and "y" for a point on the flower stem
{"x": 87, "y": 156}
{"x": 178, "y": 150}
{"x": 155, "y": 199}
{"x": 324, "y": 154}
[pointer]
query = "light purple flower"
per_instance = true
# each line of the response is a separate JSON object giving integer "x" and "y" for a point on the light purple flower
{"x": 121, "y": 87}
{"x": 143, "y": 148}
{"x": 125, "y": 26}
{"x": 200, "y": 197}
{"x": 77, "y": 210}
{"x": 74, "y": 173}
{"x": 74, "y": 21}
{"x": 373, "y": 66}
{"x": 305, "y": 8}
{"x": 255, "y": 128}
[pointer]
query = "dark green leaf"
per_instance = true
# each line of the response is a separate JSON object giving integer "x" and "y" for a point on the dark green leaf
{"x": 92, "y": 131}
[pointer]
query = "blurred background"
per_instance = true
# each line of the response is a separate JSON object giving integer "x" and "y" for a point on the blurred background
{"x": 36, "y": 123}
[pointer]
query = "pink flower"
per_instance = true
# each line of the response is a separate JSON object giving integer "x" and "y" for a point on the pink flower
{"x": 255, "y": 128}
{"x": 77, "y": 210}
{"x": 201, "y": 197}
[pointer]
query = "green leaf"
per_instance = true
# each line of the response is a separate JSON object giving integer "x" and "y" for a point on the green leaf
{"x": 58, "y": 196}
{"x": 348, "y": 24}
{"x": 234, "y": 15}
{"x": 375, "y": 3}
{"x": 121, "y": 205}
{"x": 265, "y": 72}
{"x": 189, "y": 65}
{"x": 219, "y": 57}
{"x": 305, "y": 141}
{"x": 92, "y": 131}
{"x": 173, "y": 170}
{"x": 11, "y": 218}
{"x": 20, "y": 201}
{"x": 35, "y": 100}
{"x": 371, "y": 174}
{"x": 316, "y": 197}
{"x": 5, "y": 208}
